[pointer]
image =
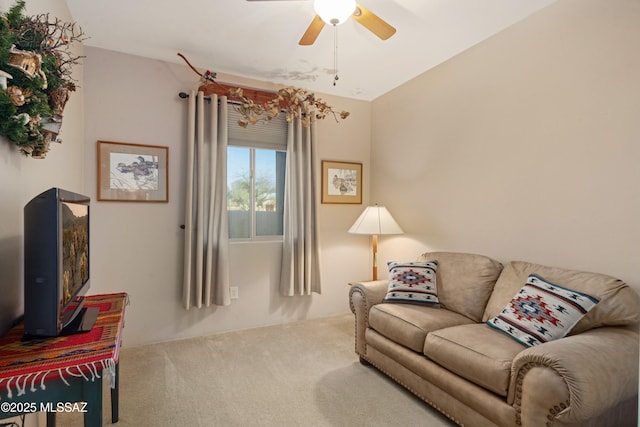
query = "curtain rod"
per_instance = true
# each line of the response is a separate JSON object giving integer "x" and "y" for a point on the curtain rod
{"x": 257, "y": 95}
{"x": 185, "y": 95}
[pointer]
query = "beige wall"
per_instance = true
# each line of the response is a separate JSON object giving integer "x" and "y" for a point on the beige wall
{"x": 523, "y": 147}
{"x": 137, "y": 247}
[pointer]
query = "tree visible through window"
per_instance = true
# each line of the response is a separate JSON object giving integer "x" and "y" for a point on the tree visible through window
{"x": 255, "y": 192}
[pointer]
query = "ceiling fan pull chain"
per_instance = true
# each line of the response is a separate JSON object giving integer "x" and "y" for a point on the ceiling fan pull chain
{"x": 335, "y": 53}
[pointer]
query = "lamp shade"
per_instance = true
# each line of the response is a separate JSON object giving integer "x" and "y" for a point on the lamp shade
{"x": 334, "y": 12}
{"x": 375, "y": 220}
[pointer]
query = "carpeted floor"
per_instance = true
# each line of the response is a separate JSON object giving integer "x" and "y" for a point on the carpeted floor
{"x": 301, "y": 374}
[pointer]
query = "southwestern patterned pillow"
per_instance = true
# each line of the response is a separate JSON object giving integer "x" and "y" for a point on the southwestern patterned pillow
{"x": 412, "y": 282}
{"x": 542, "y": 311}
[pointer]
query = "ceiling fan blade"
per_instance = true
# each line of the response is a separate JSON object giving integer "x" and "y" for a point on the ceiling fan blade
{"x": 373, "y": 23}
{"x": 310, "y": 36}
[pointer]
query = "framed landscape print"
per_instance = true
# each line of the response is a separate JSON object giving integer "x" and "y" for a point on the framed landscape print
{"x": 341, "y": 182}
{"x": 132, "y": 172}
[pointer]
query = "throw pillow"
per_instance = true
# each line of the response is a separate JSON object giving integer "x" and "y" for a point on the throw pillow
{"x": 412, "y": 282}
{"x": 542, "y": 311}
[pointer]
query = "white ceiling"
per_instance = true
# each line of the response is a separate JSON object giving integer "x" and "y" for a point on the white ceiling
{"x": 259, "y": 40}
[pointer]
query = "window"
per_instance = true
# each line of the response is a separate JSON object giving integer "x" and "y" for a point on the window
{"x": 256, "y": 160}
{"x": 255, "y": 192}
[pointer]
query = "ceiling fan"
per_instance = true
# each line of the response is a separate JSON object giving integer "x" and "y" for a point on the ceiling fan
{"x": 335, "y": 12}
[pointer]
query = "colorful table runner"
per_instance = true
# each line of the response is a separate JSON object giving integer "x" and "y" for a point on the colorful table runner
{"x": 25, "y": 365}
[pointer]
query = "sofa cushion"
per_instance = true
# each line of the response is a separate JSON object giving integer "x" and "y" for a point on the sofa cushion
{"x": 412, "y": 283}
{"x": 408, "y": 324}
{"x": 542, "y": 311}
{"x": 465, "y": 281}
{"x": 477, "y": 352}
{"x": 619, "y": 304}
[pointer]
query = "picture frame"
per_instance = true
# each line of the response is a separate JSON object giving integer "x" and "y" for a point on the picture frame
{"x": 132, "y": 172}
{"x": 341, "y": 182}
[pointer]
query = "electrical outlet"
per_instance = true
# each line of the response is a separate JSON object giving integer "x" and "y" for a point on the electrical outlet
{"x": 233, "y": 290}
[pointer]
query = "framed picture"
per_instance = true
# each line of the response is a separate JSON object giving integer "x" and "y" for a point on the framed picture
{"x": 341, "y": 182}
{"x": 132, "y": 172}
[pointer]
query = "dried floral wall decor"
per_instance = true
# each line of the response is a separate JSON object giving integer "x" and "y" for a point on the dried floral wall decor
{"x": 294, "y": 102}
{"x": 35, "y": 77}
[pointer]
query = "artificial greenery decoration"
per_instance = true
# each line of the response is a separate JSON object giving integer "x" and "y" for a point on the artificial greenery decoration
{"x": 35, "y": 77}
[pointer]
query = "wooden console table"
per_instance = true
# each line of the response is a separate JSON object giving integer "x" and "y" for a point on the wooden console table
{"x": 64, "y": 374}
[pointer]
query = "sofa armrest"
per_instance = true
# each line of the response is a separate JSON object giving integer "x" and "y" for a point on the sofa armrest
{"x": 575, "y": 378}
{"x": 363, "y": 296}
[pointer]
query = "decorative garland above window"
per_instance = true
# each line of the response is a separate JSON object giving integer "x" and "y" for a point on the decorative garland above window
{"x": 35, "y": 77}
{"x": 294, "y": 102}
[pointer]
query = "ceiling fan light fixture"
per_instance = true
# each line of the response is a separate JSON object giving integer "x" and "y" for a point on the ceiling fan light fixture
{"x": 334, "y": 12}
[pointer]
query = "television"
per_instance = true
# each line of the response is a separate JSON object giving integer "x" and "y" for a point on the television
{"x": 56, "y": 264}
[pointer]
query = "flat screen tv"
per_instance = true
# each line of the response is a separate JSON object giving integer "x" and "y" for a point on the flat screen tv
{"x": 56, "y": 264}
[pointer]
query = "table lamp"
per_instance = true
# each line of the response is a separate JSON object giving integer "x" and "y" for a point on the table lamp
{"x": 373, "y": 221}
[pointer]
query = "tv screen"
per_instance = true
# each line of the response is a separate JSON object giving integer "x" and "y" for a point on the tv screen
{"x": 75, "y": 249}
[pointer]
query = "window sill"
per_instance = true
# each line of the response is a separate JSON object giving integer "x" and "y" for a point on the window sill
{"x": 258, "y": 241}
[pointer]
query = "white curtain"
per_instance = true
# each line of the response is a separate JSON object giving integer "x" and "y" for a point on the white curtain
{"x": 206, "y": 243}
{"x": 300, "y": 272}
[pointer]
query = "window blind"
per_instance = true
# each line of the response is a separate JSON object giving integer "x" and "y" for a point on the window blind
{"x": 271, "y": 135}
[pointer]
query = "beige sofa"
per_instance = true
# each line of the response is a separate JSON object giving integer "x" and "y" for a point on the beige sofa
{"x": 479, "y": 376}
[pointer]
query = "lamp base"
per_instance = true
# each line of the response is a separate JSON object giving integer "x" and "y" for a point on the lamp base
{"x": 374, "y": 248}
